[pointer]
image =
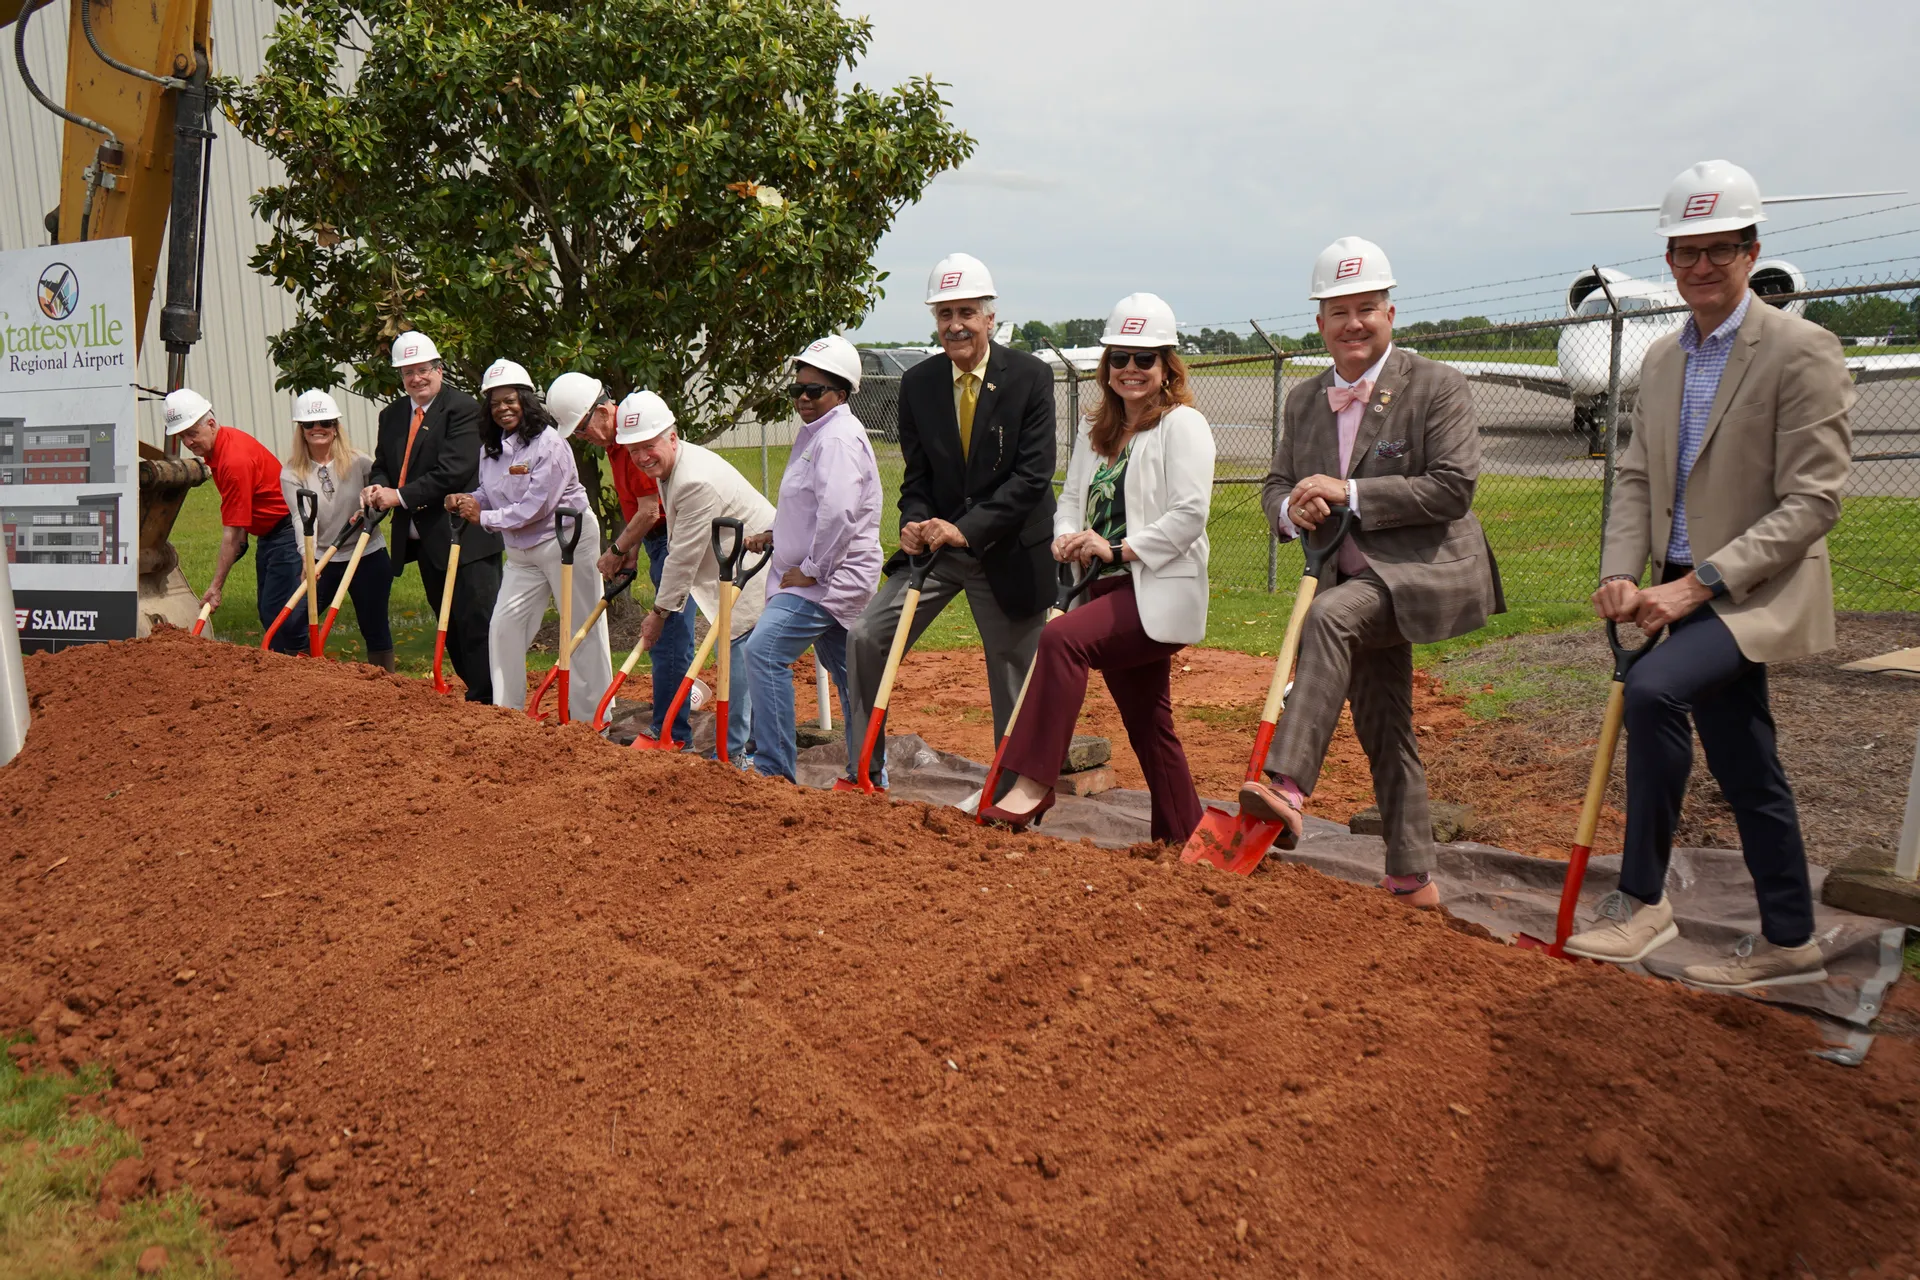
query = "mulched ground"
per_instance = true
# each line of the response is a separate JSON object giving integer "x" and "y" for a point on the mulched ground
{"x": 414, "y": 988}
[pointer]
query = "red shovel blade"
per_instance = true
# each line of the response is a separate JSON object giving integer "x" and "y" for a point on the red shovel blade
{"x": 266, "y": 641}
{"x": 546, "y": 683}
{"x": 865, "y": 788}
{"x": 326, "y": 629}
{"x": 440, "y": 684}
{"x": 1231, "y": 842}
{"x": 606, "y": 700}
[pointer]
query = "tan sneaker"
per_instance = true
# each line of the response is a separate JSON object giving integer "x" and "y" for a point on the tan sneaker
{"x": 1758, "y": 963}
{"x": 1625, "y": 935}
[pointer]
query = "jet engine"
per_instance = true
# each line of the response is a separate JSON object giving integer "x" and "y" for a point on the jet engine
{"x": 1773, "y": 277}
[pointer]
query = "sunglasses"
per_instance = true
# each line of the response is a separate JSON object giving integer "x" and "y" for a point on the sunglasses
{"x": 1720, "y": 255}
{"x": 1141, "y": 359}
{"x": 810, "y": 390}
{"x": 333, "y": 425}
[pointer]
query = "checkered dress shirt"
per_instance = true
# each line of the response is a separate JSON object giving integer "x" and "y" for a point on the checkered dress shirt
{"x": 1706, "y": 361}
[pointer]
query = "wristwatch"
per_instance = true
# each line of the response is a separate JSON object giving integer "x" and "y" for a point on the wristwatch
{"x": 1115, "y": 547}
{"x": 1709, "y": 577}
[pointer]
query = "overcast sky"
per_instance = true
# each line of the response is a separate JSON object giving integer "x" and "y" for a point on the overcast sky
{"x": 1208, "y": 151}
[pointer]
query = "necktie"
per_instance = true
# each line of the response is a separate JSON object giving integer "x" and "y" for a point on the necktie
{"x": 969, "y": 401}
{"x": 1340, "y": 397}
{"x": 412, "y": 431}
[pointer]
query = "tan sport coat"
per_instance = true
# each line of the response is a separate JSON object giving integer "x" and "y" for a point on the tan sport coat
{"x": 1765, "y": 489}
{"x": 1415, "y": 462}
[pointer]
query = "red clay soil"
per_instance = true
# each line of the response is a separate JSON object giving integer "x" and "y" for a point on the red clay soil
{"x": 1217, "y": 695}
{"x": 409, "y": 987}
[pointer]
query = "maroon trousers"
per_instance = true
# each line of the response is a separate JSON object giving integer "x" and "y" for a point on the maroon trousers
{"x": 1106, "y": 633}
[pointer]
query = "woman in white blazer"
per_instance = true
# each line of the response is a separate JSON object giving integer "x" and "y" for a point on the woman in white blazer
{"x": 1136, "y": 498}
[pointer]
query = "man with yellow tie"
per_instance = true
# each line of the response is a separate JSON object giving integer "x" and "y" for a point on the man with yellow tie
{"x": 977, "y": 435}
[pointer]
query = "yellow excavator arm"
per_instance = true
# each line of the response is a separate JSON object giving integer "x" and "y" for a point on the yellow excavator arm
{"x": 134, "y": 163}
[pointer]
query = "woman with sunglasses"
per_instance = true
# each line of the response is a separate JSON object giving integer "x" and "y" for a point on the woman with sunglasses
{"x": 323, "y": 460}
{"x": 1134, "y": 506}
{"x": 527, "y": 473}
{"x": 826, "y": 549}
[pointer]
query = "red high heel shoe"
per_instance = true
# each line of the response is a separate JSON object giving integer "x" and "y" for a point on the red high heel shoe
{"x": 1018, "y": 821}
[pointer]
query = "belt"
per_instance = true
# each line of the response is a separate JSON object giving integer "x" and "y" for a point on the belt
{"x": 285, "y": 522}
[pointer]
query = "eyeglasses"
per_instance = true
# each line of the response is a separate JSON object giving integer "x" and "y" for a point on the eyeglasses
{"x": 811, "y": 390}
{"x": 1141, "y": 359}
{"x": 1720, "y": 255}
{"x": 331, "y": 425}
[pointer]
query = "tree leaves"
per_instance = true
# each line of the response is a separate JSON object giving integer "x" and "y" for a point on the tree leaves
{"x": 673, "y": 194}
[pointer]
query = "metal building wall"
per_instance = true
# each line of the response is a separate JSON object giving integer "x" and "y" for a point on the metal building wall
{"x": 230, "y": 365}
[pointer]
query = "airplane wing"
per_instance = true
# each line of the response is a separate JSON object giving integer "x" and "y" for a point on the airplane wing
{"x": 1543, "y": 378}
{"x": 1883, "y": 368}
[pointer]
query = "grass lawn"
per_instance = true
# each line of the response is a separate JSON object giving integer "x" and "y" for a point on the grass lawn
{"x": 51, "y": 1161}
{"x": 1543, "y": 532}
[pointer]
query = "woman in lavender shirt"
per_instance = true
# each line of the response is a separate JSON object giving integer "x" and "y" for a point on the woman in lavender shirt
{"x": 527, "y": 473}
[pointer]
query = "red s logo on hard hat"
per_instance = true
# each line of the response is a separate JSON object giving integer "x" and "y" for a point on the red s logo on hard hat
{"x": 1133, "y": 324}
{"x": 409, "y": 349}
{"x": 1701, "y": 205}
{"x": 1348, "y": 267}
{"x": 950, "y": 280}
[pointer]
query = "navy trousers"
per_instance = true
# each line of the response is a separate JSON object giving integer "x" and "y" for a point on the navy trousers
{"x": 1697, "y": 674}
{"x": 277, "y": 566}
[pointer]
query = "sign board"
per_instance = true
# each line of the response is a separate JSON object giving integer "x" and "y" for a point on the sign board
{"x": 69, "y": 454}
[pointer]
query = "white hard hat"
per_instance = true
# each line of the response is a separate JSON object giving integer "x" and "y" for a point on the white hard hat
{"x": 1141, "y": 320}
{"x": 643, "y": 415}
{"x": 1350, "y": 265}
{"x": 184, "y": 408}
{"x": 315, "y": 406}
{"x": 505, "y": 373}
{"x": 833, "y": 354}
{"x": 959, "y": 275}
{"x": 571, "y": 397}
{"x": 413, "y": 347}
{"x": 1714, "y": 195}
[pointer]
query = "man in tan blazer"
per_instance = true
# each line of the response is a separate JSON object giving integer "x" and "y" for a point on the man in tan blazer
{"x": 1393, "y": 437}
{"x": 1732, "y": 479}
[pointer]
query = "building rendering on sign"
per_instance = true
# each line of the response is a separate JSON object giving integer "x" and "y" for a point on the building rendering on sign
{"x": 84, "y": 532}
{"x": 56, "y": 455}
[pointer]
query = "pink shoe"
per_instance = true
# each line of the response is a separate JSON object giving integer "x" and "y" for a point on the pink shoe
{"x": 1416, "y": 891}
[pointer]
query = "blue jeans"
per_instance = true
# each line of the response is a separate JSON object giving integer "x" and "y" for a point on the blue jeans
{"x": 674, "y": 649}
{"x": 277, "y": 572}
{"x": 788, "y": 627}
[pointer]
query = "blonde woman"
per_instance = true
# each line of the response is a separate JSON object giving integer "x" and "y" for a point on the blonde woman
{"x": 322, "y": 459}
{"x": 1135, "y": 503}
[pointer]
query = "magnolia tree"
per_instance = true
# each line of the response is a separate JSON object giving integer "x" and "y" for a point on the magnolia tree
{"x": 673, "y": 194}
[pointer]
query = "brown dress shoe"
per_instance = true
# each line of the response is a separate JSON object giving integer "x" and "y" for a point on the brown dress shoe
{"x": 1258, "y": 800}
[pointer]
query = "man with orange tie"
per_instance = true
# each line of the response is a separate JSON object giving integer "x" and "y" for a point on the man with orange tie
{"x": 1392, "y": 437}
{"x": 429, "y": 447}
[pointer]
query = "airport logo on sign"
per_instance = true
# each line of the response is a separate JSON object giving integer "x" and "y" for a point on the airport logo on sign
{"x": 1701, "y": 205}
{"x": 951, "y": 280}
{"x": 1348, "y": 267}
{"x": 20, "y": 619}
{"x": 59, "y": 291}
{"x": 1133, "y": 324}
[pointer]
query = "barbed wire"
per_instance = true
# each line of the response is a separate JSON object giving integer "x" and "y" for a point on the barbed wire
{"x": 1569, "y": 274}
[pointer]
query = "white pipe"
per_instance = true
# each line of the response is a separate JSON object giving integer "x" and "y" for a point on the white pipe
{"x": 13, "y": 675}
{"x": 820, "y": 690}
{"x": 1906, "y": 855}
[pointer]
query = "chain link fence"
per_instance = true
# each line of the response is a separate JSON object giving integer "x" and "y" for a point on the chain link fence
{"x": 1553, "y": 400}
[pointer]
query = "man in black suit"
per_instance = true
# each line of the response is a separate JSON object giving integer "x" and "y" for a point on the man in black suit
{"x": 429, "y": 447}
{"x": 977, "y": 432}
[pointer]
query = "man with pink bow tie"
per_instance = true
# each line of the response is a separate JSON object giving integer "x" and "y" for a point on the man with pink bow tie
{"x": 1392, "y": 437}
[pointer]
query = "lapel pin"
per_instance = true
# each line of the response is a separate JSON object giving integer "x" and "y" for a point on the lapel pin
{"x": 1380, "y": 408}
{"x": 1386, "y": 397}
{"x": 991, "y": 387}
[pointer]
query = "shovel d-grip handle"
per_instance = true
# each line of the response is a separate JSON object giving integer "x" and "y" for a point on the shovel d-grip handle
{"x": 727, "y": 558}
{"x": 918, "y": 567}
{"x": 1072, "y": 584}
{"x": 744, "y": 573}
{"x": 619, "y": 582}
{"x": 567, "y": 543}
{"x": 308, "y": 503}
{"x": 1317, "y": 557}
{"x": 1623, "y": 657}
{"x": 456, "y": 525}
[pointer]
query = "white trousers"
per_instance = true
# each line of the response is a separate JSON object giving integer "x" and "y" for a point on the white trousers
{"x": 529, "y": 581}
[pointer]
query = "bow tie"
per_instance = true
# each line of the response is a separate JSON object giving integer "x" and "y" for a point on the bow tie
{"x": 1359, "y": 393}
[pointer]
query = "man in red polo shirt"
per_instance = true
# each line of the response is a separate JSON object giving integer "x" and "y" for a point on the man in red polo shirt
{"x": 248, "y": 477}
{"x": 579, "y": 402}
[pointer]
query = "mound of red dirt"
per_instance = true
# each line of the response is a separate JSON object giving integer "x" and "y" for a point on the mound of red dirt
{"x": 409, "y": 987}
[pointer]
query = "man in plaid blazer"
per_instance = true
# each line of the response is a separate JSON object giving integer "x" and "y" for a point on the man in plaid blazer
{"x": 1392, "y": 436}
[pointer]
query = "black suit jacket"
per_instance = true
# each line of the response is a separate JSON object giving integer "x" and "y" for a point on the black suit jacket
{"x": 446, "y": 459}
{"x": 1000, "y": 494}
